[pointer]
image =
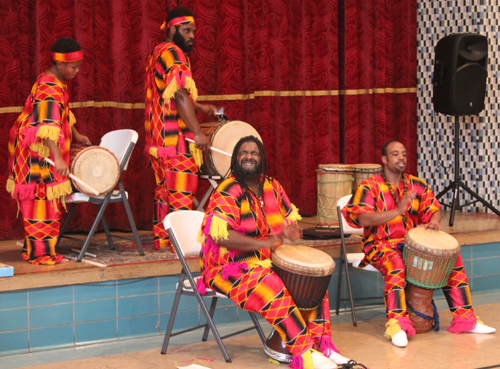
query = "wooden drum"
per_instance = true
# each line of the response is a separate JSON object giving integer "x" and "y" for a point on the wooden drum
{"x": 96, "y": 166}
{"x": 306, "y": 273}
{"x": 334, "y": 182}
{"x": 363, "y": 171}
{"x": 429, "y": 256}
{"x": 223, "y": 136}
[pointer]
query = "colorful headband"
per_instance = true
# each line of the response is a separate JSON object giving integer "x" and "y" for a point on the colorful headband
{"x": 180, "y": 20}
{"x": 68, "y": 57}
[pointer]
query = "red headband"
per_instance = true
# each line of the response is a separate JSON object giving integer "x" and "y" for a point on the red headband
{"x": 68, "y": 57}
{"x": 180, "y": 20}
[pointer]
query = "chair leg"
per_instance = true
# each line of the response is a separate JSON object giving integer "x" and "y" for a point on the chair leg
{"x": 173, "y": 312}
{"x": 106, "y": 231}
{"x": 339, "y": 286}
{"x": 66, "y": 222}
{"x": 258, "y": 327}
{"x": 211, "y": 312}
{"x": 348, "y": 278}
{"x": 94, "y": 228}
{"x": 130, "y": 218}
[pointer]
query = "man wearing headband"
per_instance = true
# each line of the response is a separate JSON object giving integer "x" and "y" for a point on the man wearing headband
{"x": 45, "y": 129}
{"x": 170, "y": 119}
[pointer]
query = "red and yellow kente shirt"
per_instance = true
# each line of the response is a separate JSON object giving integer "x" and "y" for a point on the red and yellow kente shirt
{"x": 229, "y": 206}
{"x": 373, "y": 195}
{"x": 168, "y": 71}
{"x": 45, "y": 115}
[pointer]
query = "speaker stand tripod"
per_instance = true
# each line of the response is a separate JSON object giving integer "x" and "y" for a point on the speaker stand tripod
{"x": 458, "y": 183}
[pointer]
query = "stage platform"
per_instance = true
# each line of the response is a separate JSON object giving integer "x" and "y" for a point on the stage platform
{"x": 469, "y": 229}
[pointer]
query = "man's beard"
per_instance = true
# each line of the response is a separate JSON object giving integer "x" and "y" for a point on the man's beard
{"x": 251, "y": 172}
{"x": 181, "y": 42}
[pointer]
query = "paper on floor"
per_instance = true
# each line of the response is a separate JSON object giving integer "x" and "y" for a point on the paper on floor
{"x": 193, "y": 366}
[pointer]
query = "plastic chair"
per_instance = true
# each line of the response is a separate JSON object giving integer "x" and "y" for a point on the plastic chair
{"x": 182, "y": 227}
{"x": 121, "y": 143}
{"x": 352, "y": 258}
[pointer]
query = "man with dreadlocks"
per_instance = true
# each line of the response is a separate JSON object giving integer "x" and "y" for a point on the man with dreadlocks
{"x": 170, "y": 119}
{"x": 246, "y": 218}
{"x": 388, "y": 205}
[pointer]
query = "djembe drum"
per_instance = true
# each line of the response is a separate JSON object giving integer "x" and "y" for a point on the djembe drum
{"x": 334, "y": 182}
{"x": 223, "y": 136}
{"x": 429, "y": 256}
{"x": 96, "y": 166}
{"x": 306, "y": 273}
{"x": 361, "y": 172}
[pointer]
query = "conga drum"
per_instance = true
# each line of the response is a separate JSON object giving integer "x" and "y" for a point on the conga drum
{"x": 334, "y": 182}
{"x": 429, "y": 256}
{"x": 96, "y": 166}
{"x": 361, "y": 172}
{"x": 306, "y": 273}
{"x": 223, "y": 136}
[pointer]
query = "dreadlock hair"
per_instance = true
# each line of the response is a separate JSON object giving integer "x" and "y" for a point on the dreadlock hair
{"x": 384, "y": 148}
{"x": 237, "y": 172}
{"x": 64, "y": 45}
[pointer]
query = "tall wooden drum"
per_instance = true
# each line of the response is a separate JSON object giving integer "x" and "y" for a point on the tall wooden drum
{"x": 334, "y": 182}
{"x": 361, "y": 172}
{"x": 429, "y": 256}
{"x": 306, "y": 273}
{"x": 223, "y": 136}
{"x": 96, "y": 166}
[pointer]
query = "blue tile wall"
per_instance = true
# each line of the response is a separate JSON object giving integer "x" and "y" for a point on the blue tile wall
{"x": 46, "y": 318}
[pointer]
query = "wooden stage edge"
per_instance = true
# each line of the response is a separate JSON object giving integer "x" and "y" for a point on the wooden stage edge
{"x": 469, "y": 229}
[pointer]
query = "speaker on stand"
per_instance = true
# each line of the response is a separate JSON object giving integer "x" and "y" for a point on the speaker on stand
{"x": 459, "y": 86}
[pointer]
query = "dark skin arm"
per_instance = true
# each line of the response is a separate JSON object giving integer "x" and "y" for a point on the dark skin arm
{"x": 434, "y": 221}
{"x": 187, "y": 113}
{"x": 61, "y": 166}
{"x": 237, "y": 241}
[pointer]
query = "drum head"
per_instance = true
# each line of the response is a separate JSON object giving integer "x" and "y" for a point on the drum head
{"x": 303, "y": 260}
{"x": 335, "y": 167}
{"x": 366, "y": 167}
{"x": 432, "y": 241}
{"x": 225, "y": 139}
{"x": 98, "y": 167}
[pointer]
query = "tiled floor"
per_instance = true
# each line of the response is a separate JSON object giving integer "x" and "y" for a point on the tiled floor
{"x": 364, "y": 343}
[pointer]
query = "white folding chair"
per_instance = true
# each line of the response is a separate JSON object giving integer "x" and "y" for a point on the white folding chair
{"x": 182, "y": 227}
{"x": 121, "y": 143}
{"x": 352, "y": 258}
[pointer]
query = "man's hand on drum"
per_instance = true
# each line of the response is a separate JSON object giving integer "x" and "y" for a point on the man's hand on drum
{"x": 273, "y": 242}
{"x": 431, "y": 225}
{"x": 292, "y": 232}
{"x": 201, "y": 141}
{"x": 208, "y": 109}
{"x": 406, "y": 201}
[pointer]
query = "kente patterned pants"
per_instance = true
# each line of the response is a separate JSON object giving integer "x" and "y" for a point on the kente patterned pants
{"x": 388, "y": 259}
{"x": 176, "y": 182}
{"x": 260, "y": 290}
{"x": 41, "y": 220}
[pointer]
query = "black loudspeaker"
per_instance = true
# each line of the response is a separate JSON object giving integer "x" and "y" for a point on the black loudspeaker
{"x": 460, "y": 74}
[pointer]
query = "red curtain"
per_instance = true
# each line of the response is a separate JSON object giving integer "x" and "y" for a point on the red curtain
{"x": 295, "y": 70}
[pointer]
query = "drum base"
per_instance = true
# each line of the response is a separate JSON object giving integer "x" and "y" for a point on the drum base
{"x": 276, "y": 349}
{"x": 421, "y": 300}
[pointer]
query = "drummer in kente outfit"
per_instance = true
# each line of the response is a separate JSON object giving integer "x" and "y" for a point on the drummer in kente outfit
{"x": 247, "y": 216}
{"x": 45, "y": 129}
{"x": 388, "y": 205}
{"x": 170, "y": 118}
